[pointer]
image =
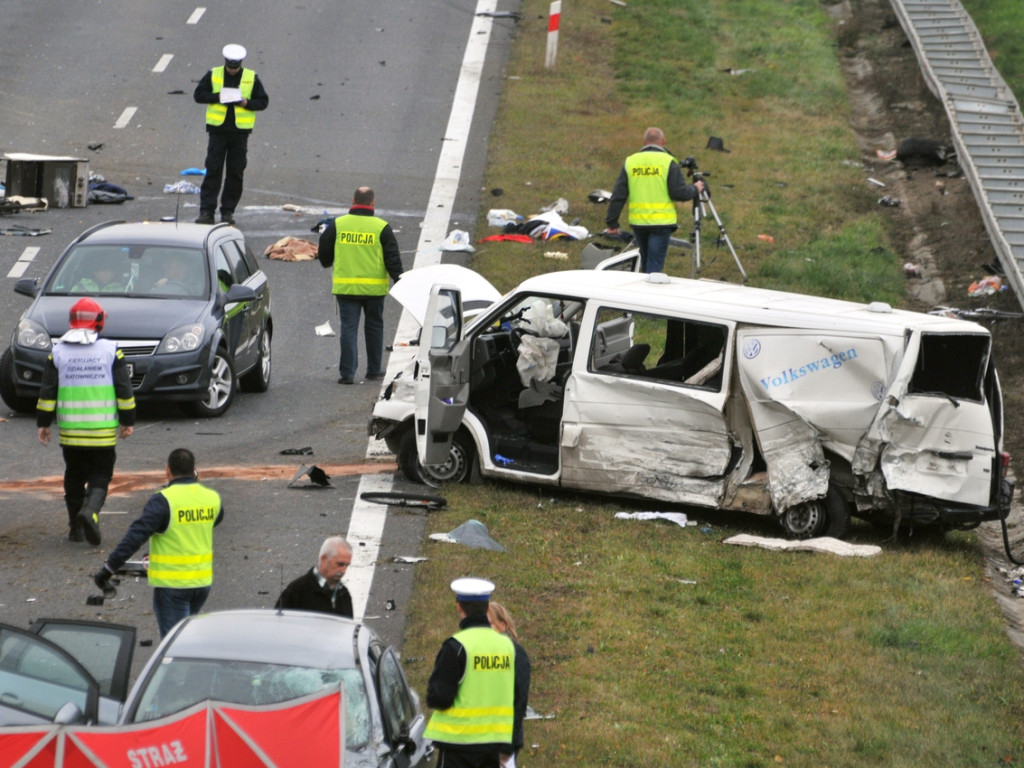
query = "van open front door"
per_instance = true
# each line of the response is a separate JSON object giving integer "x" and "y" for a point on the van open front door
{"x": 442, "y": 379}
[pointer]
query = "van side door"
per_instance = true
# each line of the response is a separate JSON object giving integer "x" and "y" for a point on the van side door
{"x": 809, "y": 391}
{"x": 649, "y": 420}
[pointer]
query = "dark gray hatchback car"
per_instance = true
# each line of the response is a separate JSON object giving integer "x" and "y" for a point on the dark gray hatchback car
{"x": 187, "y": 304}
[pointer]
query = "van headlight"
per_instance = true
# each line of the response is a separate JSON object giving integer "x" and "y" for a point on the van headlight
{"x": 33, "y": 336}
{"x": 184, "y": 339}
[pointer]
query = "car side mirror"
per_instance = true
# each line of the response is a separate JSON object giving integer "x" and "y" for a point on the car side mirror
{"x": 27, "y": 286}
{"x": 69, "y": 714}
{"x": 240, "y": 293}
{"x": 405, "y": 741}
{"x": 411, "y": 739}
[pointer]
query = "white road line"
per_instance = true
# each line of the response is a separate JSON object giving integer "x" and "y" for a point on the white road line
{"x": 23, "y": 262}
{"x": 367, "y": 522}
{"x": 365, "y": 530}
{"x": 164, "y": 61}
{"x": 197, "y": 14}
{"x": 126, "y": 117}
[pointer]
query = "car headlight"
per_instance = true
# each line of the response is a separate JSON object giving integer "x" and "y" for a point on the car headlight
{"x": 33, "y": 335}
{"x": 184, "y": 339}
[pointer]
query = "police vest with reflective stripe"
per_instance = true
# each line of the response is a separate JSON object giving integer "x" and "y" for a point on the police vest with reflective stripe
{"x": 215, "y": 113}
{"x": 649, "y": 202}
{"x": 482, "y": 712}
{"x": 86, "y": 400}
{"x": 358, "y": 257}
{"x": 182, "y": 556}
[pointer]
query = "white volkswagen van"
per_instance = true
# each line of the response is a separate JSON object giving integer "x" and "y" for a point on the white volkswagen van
{"x": 706, "y": 393}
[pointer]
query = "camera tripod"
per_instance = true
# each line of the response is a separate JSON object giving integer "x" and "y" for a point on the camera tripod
{"x": 700, "y": 203}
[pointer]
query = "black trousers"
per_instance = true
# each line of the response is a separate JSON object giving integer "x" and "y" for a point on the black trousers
{"x": 85, "y": 469}
{"x": 226, "y": 156}
{"x": 457, "y": 758}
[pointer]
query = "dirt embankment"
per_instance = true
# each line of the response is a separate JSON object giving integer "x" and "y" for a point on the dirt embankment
{"x": 939, "y": 228}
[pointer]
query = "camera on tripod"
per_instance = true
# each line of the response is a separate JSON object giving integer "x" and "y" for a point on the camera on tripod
{"x": 690, "y": 164}
{"x": 699, "y": 203}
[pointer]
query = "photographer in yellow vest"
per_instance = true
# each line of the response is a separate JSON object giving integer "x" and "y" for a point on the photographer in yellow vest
{"x": 651, "y": 180}
{"x": 472, "y": 688}
{"x": 178, "y": 522}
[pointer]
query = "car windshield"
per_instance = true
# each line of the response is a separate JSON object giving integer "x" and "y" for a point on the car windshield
{"x": 137, "y": 270}
{"x": 180, "y": 683}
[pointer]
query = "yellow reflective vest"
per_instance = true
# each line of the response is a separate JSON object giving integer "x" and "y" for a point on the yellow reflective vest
{"x": 358, "y": 256}
{"x": 182, "y": 556}
{"x": 215, "y": 113}
{"x": 649, "y": 201}
{"x": 482, "y": 712}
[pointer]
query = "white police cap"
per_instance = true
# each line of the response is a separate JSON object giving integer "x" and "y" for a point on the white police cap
{"x": 470, "y": 589}
{"x": 233, "y": 52}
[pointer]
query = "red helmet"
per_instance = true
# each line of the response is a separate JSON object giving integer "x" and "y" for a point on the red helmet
{"x": 86, "y": 313}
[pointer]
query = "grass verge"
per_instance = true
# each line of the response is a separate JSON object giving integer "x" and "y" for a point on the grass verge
{"x": 654, "y": 645}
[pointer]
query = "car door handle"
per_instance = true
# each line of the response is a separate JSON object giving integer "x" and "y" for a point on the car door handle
{"x": 956, "y": 454}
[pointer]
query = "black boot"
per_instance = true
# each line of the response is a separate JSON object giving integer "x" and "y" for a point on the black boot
{"x": 74, "y": 527}
{"x": 89, "y": 517}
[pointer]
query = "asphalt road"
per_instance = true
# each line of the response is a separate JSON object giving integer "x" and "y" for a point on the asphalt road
{"x": 360, "y": 94}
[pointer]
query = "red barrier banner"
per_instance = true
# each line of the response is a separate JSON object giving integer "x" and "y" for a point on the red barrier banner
{"x": 295, "y": 734}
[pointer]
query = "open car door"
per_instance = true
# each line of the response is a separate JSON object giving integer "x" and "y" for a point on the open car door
{"x": 103, "y": 648}
{"x": 52, "y": 673}
{"x": 442, "y": 379}
{"x": 404, "y": 723}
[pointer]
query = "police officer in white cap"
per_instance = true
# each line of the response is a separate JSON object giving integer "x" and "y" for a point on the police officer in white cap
{"x": 232, "y": 95}
{"x": 472, "y": 687}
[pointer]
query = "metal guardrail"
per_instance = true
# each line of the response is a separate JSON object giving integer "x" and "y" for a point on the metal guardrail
{"x": 985, "y": 119}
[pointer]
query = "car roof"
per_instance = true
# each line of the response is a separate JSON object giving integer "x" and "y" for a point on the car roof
{"x": 713, "y": 299}
{"x": 152, "y": 233}
{"x": 299, "y": 638}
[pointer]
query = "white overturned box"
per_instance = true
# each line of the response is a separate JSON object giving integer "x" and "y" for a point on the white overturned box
{"x": 63, "y": 181}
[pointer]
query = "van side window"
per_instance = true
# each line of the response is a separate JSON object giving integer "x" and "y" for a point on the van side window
{"x": 658, "y": 347}
{"x": 951, "y": 366}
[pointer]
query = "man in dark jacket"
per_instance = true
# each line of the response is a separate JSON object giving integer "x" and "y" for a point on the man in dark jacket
{"x": 320, "y": 589}
{"x": 232, "y": 95}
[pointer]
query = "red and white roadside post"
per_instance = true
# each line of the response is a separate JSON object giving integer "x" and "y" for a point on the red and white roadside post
{"x": 554, "y": 16}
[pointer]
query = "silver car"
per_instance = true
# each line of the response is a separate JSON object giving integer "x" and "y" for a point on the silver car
{"x": 266, "y": 656}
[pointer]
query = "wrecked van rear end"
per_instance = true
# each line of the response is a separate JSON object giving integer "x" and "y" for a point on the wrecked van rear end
{"x": 906, "y": 426}
{"x": 703, "y": 393}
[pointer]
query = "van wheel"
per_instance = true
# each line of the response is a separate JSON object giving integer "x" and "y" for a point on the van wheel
{"x": 8, "y": 391}
{"x": 829, "y": 516}
{"x": 455, "y": 470}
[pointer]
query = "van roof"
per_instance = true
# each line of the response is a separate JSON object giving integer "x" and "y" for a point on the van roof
{"x": 711, "y": 299}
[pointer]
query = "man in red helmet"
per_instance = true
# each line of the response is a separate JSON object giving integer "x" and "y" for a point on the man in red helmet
{"x": 87, "y": 386}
